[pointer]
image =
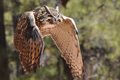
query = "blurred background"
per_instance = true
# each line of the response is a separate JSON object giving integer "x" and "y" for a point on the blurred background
{"x": 98, "y": 22}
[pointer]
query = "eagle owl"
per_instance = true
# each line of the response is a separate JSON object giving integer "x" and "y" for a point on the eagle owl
{"x": 34, "y": 25}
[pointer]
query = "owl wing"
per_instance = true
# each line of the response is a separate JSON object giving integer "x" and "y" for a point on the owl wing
{"x": 28, "y": 41}
{"x": 65, "y": 37}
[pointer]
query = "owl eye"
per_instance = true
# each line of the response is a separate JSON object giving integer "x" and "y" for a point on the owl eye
{"x": 48, "y": 20}
{"x": 50, "y": 15}
{"x": 59, "y": 20}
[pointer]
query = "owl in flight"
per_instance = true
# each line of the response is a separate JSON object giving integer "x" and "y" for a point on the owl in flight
{"x": 34, "y": 25}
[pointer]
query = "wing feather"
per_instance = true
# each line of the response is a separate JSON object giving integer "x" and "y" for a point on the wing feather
{"x": 29, "y": 43}
{"x": 65, "y": 38}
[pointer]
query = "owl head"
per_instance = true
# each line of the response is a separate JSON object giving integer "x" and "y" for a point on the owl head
{"x": 48, "y": 15}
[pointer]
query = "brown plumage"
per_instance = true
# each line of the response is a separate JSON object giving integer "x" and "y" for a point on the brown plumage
{"x": 28, "y": 41}
{"x": 66, "y": 40}
{"x": 60, "y": 28}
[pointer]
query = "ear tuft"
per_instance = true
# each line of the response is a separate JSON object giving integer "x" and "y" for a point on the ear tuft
{"x": 57, "y": 8}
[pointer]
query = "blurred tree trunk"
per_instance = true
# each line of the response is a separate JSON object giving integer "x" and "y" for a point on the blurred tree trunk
{"x": 2, "y": 28}
{"x": 4, "y": 71}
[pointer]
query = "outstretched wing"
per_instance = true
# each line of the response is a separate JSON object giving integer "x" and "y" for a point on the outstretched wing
{"x": 28, "y": 41}
{"x": 65, "y": 37}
